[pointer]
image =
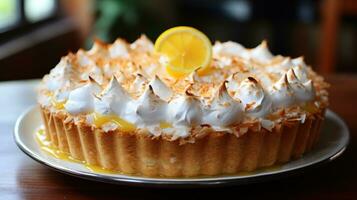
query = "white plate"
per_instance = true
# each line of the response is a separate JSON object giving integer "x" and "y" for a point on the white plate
{"x": 332, "y": 143}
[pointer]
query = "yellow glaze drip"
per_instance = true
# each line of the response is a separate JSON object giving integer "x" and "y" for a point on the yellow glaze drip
{"x": 165, "y": 125}
{"x": 47, "y": 147}
{"x": 98, "y": 169}
{"x": 124, "y": 125}
{"x": 57, "y": 104}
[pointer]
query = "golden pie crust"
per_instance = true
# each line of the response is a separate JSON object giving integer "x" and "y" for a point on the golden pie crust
{"x": 216, "y": 153}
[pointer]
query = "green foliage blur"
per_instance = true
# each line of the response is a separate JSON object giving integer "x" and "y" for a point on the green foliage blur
{"x": 126, "y": 19}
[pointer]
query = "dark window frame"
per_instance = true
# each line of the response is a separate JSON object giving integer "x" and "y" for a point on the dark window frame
{"x": 22, "y": 25}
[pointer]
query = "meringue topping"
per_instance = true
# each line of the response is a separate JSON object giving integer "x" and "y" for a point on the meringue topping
{"x": 150, "y": 108}
{"x": 161, "y": 89}
{"x": 261, "y": 53}
{"x": 241, "y": 85}
{"x": 224, "y": 110}
{"x": 112, "y": 100}
{"x": 81, "y": 100}
{"x": 303, "y": 91}
{"x": 282, "y": 93}
{"x": 185, "y": 110}
{"x": 253, "y": 97}
{"x": 118, "y": 49}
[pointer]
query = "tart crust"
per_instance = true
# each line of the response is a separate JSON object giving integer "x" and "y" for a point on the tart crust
{"x": 216, "y": 153}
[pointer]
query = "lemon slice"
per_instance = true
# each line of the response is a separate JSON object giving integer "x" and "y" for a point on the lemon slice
{"x": 186, "y": 49}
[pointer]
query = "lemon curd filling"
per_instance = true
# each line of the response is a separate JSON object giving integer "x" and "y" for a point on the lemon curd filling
{"x": 58, "y": 104}
{"x": 100, "y": 120}
{"x": 123, "y": 125}
{"x": 165, "y": 125}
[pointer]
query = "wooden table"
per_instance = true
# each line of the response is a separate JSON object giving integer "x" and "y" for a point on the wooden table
{"x": 23, "y": 178}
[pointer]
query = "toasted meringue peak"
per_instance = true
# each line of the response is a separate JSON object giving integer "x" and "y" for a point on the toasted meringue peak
{"x": 299, "y": 62}
{"x": 185, "y": 110}
{"x": 150, "y": 107}
{"x": 120, "y": 76}
{"x": 291, "y": 77}
{"x": 92, "y": 80}
{"x": 161, "y": 89}
{"x": 115, "y": 88}
{"x": 143, "y": 44}
{"x": 228, "y": 49}
{"x": 280, "y": 67}
{"x": 112, "y": 99}
{"x": 253, "y": 97}
{"x": 187, "y": 90}
{"x": 139, "y": 83}
{"x": 281, "y": 93}
{"x": 94, "y": 73}
{"x": 261, "y": 53}
{"x": 286, "y": 63}
{"x": 193, "y": 76}
{"x": 81, "y": 99}
{"x": 61, "y": 76}
{"x": 118, "y": 49}
{"x": 232, "y": 82}
{"x": 224, "y": 110}
{"x": 303, "y": 92}
{"x": 98, "y": 48}
{"x": 83, "y": 59}
{"x": 300, "y": 73}
{"x": 222, "y": 90}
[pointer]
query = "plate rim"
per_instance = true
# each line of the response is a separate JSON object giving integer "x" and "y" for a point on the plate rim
{"x": 180, "y": 182}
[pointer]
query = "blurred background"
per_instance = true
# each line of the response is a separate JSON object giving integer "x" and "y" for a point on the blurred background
{"x": 34, "y": 34}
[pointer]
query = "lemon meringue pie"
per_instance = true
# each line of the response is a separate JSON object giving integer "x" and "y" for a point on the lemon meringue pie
{"x": 117, "y": 107}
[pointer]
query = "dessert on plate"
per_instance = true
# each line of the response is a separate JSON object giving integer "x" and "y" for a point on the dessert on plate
{"x": 182, "y": 107}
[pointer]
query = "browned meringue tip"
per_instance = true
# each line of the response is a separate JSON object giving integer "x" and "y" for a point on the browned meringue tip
{"x": 93, "y": 81}
{"x": 120, "y": 40}
{"x": 301, "y": 57}
{"x": 283, "y": 79}
{"x": 189, "y": 94}
{"x": 71, "y": 55}
{"x": 151, "y": 89}
{"x": 99, "y": 42}
{"x": 233, "y": 77}
{"x": 291, "y": 75}
{"x": 187, "y": 91}
{"x": 97, "y": 96}
{"x": 156, "y": 77}
{"x": 140, "y": 75}
{"x": 264, "y": 43}
{"x": 222, "y": 89}
{"x": 252, "y": 79}
{"x": 193, "y": 76}
{"x": 142, "y": 37}
{"x": 114, "y": 78}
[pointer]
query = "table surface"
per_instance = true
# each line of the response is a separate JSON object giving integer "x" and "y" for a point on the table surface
{"x": 23, "y": 178}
